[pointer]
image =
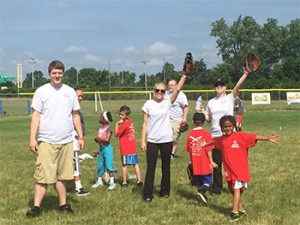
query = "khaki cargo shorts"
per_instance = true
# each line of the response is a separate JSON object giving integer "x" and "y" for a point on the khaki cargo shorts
{"x": 176, "y": 132}
{"x": 54, "y": 162}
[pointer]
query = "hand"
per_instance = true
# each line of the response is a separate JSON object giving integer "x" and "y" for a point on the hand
{"x": 33, "y": 146}
{"x": 120, "y": 122}
{"x": 143, "y": 146}
{"x": 274, "y": 138}
{"x": 97, "y": 139}
{"x": 81, "y": 145}
{"x": 213, "y": 164}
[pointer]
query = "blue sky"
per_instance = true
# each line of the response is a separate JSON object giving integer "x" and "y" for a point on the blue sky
{"x": 92, "y": 33}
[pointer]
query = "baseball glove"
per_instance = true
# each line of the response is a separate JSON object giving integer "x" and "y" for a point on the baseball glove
{"x": 251, "y": 62}
{"x": 183, "y": 126}
{"x": 189, "y": 170}
{"x": 188, "y": 66}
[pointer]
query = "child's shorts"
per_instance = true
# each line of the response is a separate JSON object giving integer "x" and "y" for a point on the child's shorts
{"x": 239, "y": 118}
{"x": 236, "y": 184}
{"x": 200, "y": 180}
{"x": 129, "y": 159}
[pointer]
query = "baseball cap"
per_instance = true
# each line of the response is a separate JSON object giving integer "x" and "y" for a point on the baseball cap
{"x": 199, "y": 117}
{"x": 219, "y": 82}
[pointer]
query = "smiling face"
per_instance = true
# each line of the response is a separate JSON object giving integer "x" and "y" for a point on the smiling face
{"x": 56, "y": 77}
{"x": 220, "y": 89}
{"x": 159, "y": 92}
{"x": 227, "y": 127}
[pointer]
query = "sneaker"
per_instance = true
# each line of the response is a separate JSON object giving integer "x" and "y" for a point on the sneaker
{"x": 172, "y": 156}
{"x": 82, "y": 192}
{"x": 139, "y": 183}
{"x": 202, "y": 196}
{"x": 243, "y": 213}
{"x": 111, "y": 186}
{"x": 33, "y": 212}
{"x": 97, "y": 184}
{"x": 234, "y": 216}
{"x": 66, "y": 208}
{"x": 124, "y": 184}
{"x": 148, "y": 199}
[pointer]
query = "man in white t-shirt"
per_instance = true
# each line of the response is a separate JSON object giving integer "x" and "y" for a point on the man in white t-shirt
{"x": 178, "y": 113}
{"x": 54, "y": 116}
{"x": 221, "y": 105}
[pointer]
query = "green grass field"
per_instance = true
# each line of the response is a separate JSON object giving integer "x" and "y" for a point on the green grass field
{"x": 272, "y": 196}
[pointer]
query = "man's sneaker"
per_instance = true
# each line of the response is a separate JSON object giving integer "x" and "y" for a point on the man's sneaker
{"x": 66, "y": 208}
{"x": 202, "y": 196}
{"x": 243, "y": 213}
{"x": 97, "y": 184}
{"x": 139, "y": 183}
{"x": 234, "y": 216}
{"x": 82, "y": 192}
{"x": 111, "y": 186}
{"x": 33, "y": 212}
{"x": 124, "y": 184}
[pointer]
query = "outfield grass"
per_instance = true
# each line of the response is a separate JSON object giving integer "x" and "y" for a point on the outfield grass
{"x": 272, "y": 196}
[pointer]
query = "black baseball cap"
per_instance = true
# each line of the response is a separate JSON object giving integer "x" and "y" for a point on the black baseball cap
{"x": 219, "y": 82}
{"x": 199, "y": 117}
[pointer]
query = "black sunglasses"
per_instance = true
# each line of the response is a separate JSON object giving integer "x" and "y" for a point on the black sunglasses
{"x": 160, "y": 90}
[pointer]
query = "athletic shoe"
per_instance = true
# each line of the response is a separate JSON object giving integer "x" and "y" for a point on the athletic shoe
{"x": 172, "y": 156}
{"x": 97, "y": 184}
{"x": 124, "y": 184}
{"x": 148, "y": 199}
{"x": 66, "y": 208}
{"x": 243, "y": 213}
{"x": 139, "y": 183}
{"x": 111, "y": 186}
{"x": 234, "y": 216}
{"x": 202, "y": 196}
{"x": 33, "y": 212}
{"x": 82, "y": 192}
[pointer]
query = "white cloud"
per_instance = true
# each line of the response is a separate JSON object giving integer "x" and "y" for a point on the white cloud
{"x": 92, "y": 58}
{"x": 75, "y": 49}
{"x": 155, "y": 62}
{"x": 159, "y": 48}
{"x": 130, "y": 50}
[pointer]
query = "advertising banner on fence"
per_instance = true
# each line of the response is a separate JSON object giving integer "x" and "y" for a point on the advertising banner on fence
{"x": 292, "y": 97}
{"x": 261, "y": 98}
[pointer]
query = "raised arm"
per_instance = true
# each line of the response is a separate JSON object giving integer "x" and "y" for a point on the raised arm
{"x": 178, "y": 88}
{"x": 236, "y": 88}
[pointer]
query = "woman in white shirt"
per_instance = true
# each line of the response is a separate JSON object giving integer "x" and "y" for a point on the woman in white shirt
{"x": 157, "y": 128}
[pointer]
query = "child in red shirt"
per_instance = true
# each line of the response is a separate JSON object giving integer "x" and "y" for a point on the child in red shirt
{"x": 234, "y": 147}
{"x": 124, "y": 129}
{"x": 200, "y": 157}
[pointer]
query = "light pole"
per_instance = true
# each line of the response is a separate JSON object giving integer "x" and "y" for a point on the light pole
{"x": 145, "y": 62}
{"x": 32, "y": 71}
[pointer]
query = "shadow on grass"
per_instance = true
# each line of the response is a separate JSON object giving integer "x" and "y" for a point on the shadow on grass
{"x": 191, "y": 196}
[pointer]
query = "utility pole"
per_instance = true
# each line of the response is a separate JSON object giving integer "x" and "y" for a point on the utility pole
{"x": 32, "y": 71}
{"x": 146, "y": 88}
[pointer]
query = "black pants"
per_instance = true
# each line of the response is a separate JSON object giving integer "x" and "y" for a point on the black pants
{"x": 151, "y": 155}
{"x": 217, "y": 184}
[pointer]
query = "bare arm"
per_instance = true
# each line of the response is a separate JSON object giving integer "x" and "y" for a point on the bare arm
{"x": 185, "y": 112}
{"x": 207, "y": 116}
{"x": 272, "y": 138}
{"x": 34, "y": 124}
{"x": 144, "y": 132}
{"x": 178, "y": 88}
{"x": 236, "y": 88}
{"x": 212, "y": 163}
{"x": 118, "y": 124}
{"x": 78, "y": 128}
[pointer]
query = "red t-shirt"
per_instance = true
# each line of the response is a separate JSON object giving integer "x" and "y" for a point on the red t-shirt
{"x": 127, "y": 138}
{"x": 198, "y": 156}
{"x": 235, "y": 154}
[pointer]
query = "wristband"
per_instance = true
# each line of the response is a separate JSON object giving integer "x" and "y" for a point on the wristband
{"x": 81, "y": 138}
{"x": 246, "y": 73}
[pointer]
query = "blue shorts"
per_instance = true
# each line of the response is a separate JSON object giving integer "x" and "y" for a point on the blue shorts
{"x": 129, "y": 159}
{"x": 203, "y": 179}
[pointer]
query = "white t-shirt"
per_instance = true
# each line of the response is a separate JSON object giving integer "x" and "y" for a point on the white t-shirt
{"x": 56, "y": 106}
{"x": 218, "y": 107}
{"x": 176, "y": 110}
{"x": 159, "y": 128}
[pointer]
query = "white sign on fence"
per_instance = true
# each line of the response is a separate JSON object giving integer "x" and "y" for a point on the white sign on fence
{"x": 261, "y": 98}
{"x": 292, "y": 97}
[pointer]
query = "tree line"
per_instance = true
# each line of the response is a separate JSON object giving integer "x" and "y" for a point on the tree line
{"x": 277, "y": 46}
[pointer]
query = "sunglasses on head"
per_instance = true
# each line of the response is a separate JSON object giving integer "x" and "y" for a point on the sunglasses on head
{"x": 160, "y": 90}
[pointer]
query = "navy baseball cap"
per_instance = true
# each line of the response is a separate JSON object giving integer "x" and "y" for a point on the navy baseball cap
{"x": 219, "y": 82}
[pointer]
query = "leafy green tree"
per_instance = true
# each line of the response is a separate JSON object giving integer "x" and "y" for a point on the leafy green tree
{"x": 38, "y": 77}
